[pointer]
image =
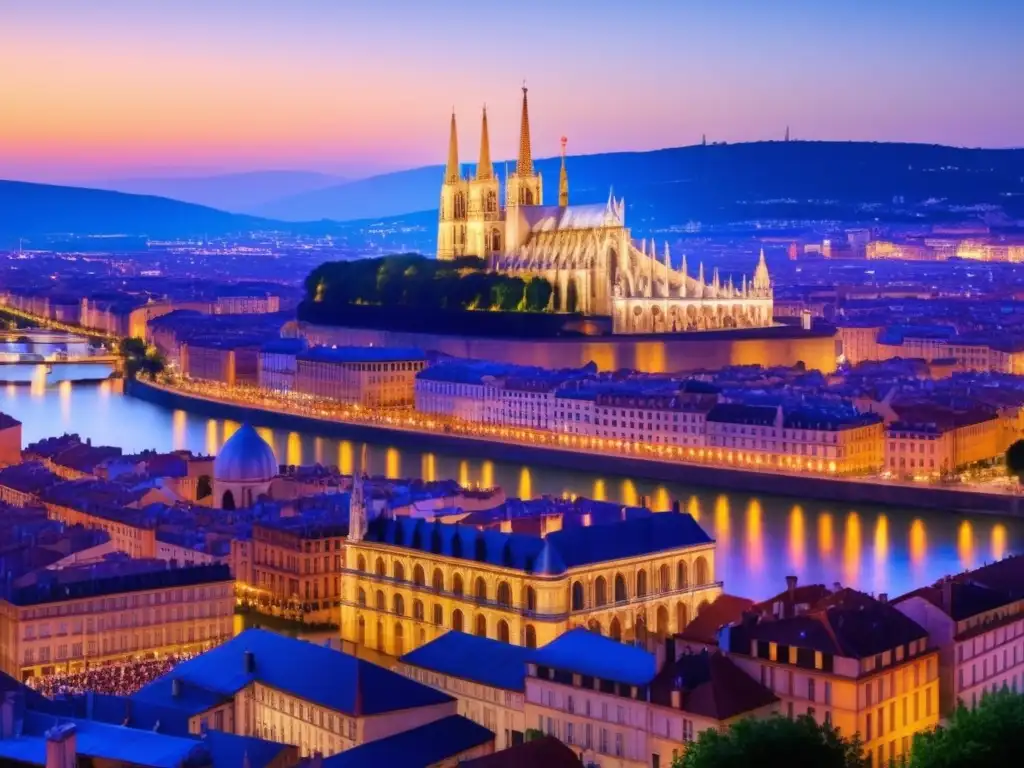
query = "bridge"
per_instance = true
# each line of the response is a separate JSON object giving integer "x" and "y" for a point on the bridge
{"x": 51, "y": 324}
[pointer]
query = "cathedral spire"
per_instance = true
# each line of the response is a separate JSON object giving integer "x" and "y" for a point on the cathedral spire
{"x": 563, "y": 180}
{"x": 357, "y": 500}
{"x": 451, "y": 171}
{"x": 682, "y": 285}
{"x": 524, "y": 165}
{"x": 484, "y": 168}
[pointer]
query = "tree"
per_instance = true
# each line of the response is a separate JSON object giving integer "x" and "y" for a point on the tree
{"x": 204, "y": 487}
{"x": 1015, "y": 460}
{"x": 990, "y": 734}
{"x": 799, "y": 743}
{"x": 538, "y": 294}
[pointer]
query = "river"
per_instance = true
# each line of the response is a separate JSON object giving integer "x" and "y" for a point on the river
{"x": 760, "y": 539}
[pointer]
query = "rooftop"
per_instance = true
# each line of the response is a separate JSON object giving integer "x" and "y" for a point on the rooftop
{"x": 362, "y": 354}
{"x": 542, "y": 752}
{"x": 587, "y": 653}
{"x": 428, "y": 745}
{"x": 479, "y": 659}
{"x": 341, "y": 683}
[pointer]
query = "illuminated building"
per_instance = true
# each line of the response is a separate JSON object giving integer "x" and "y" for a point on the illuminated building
{"x": 243, "y": 469}
{"x": 585, "y": 252}
{"x": 611, "y": 703}
{"x": 976, "y": 620}
{"x": 67, "y": 620}
{"x": 228, "y": 360}
{"x": 368, "y": 376}
{"x": 840, "y": 440}
{"x": 486, "y": 677}
{"x": 843, "y": 658}
{"x": 931, "y": 441}
{"x": 278, "y": 363}
{"x": 264, "y": 684}
{"x": 247, "y": 304}
{"x": 407, "y": 580}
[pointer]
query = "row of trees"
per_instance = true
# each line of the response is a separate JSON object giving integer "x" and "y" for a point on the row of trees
{"x": 140, "y": 358}
{"x": 991, "y": 734}
{"x": 413, "y": 280}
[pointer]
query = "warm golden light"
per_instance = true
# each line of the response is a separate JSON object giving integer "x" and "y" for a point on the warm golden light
{"x": 212, "y": 445}
{"x": 464, "y": 473}
{"x": 393, "y": 463}
{"x": 345, "y": 457}
{"x": 662, "y": 502}
{"x": 230, "y": 427}
{"x": 64, "y": 392}
{"x": 826, "y": 535}
{"x": 852, "y": 549}
{"x": 599, "y": 491}
{"x": 293, "y": 450}
{"x": 318, "y": 450}
{"x": 38, "y": 387}
{"x": 998, "y": 541}
{"x": 693, "y": 507}
{"x": 487, "y": 474}
{"x": 178, "y": 421}
{"x": 918, "y": 543}
{"x": 755, "y": 536}
{"x": 428, "y": 471}
{"x": 965, "y": 544}
{"x": 525, "y": 484}
{"x": 881, "y": 542}
{"x": 797, "y": 537}
{"x": 629, "y": 495}
{"x": 722, "y": 521}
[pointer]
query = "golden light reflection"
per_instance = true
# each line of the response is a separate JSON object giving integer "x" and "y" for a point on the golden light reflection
{"x": 998, "y": 541}
{"x": 662, "y": 501}
{"x": 64, "y": 392}
{"x": 487, "y": 474}
{"x": 722, "y": 521}
{"x": 293, "y": 449}
{"x": 852, "y": 549}
{"x": 918, "y": 543}
{"x": 211, "y": 438}
{"x": 318, "y": 450}
{"x": 599, "y": 491}
{"x": 38, "y": 386}
{"x": 826, "y": 535}
{"x": 965, "y": 544}
{"x": 230, "y": 427}
{"x": 755, "y": 536}
{"x": 693, "y": 507}
{"x": 629, "y": 494}
{"x": 464, "y": 473}
{"x": 12, "y": 388}
{"x": 797, "y": 537}
{"x": 525, "y": 489}
{"x": 393, "y": 464}
{"x": 428, "y": 467}
{"x": 881, "y": 541}
{"x": 345, "y": 457}
{"x": 104, "y": 389}
{"x": 650, "y": 356}
{"x": 178, "y": 421}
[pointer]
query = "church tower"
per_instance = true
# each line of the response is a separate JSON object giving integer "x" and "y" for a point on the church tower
{"x": 453, "y": 211}
{"x": 357, "y": 514}
{"x": 485, "y": 236}
{"x": 563, "y": 180}
{"x": 524, "y": 186}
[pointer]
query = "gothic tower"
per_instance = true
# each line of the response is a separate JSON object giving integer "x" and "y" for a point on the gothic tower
{"x": 563, "y": 180}
{"x": 357, "y": 513}
{"x": 453, "y": 211}
{"x": 485, "y": 235}
{"x": 524, "y": 186}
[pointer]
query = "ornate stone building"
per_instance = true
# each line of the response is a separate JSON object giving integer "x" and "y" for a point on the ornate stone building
{"x": 585, "y": 251}
{"x": 409, "y": 581}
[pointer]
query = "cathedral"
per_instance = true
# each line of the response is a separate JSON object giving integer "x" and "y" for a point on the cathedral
{"x": 584, "y": 251}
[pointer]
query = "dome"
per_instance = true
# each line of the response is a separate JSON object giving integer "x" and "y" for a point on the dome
{"x": 245, "y": 458}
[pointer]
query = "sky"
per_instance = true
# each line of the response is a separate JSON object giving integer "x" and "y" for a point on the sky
{"x": 122, "y": 88}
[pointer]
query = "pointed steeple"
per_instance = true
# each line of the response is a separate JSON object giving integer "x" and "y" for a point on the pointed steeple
{"x": 563, "y": 180}
{"x": 682, "y": 284}
{"x": 702, "y": 288}
{"x": 484, "y": 168}
{"x": 357, "y": 500}
{"x": 524, "y": 165}
{"x": 451, "y": 171}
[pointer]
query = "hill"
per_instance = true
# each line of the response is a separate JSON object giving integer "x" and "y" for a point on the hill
{"x": 235, "y": 192}
{"x": 43, "y": 211}
{"x": 727, "y": 182}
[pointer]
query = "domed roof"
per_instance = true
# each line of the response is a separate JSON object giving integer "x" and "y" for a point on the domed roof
{"x": 245, "y": 458}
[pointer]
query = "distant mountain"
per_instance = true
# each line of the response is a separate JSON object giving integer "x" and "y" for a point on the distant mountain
{"x": 726, "y": 182}
{"x": 235, "y": 192}
{"x": 40, "y": 211}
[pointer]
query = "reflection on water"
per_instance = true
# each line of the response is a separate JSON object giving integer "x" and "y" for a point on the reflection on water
{"x": 760, "y": 539}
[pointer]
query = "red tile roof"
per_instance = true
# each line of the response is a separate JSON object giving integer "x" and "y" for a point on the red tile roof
{"x": 725, "y": 610}
{"x": 545, "y": 752}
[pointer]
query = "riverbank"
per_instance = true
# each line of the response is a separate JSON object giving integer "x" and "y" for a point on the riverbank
{"x": 844, "y": 490}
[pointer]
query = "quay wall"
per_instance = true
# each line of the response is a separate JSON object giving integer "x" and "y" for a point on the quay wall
{"x": 652, "y": 353}
{"x": 840, "y": 490}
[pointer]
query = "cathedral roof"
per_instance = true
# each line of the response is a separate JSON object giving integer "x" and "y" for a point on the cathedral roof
{"x": 553, "y": 555}
{"x": 552, "y": 218}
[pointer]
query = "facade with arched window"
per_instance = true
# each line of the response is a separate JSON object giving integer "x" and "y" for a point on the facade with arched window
{"x": 637, "y": 579}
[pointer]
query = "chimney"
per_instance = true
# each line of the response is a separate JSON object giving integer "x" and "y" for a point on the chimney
{"x": 676, "y": 506}
{"x": 622, "y": 513}
{"x": 791, "y": 589}
{"x": 176, "y": 687}
{"x": 61, "y": 746}
{"x": 947, "y": 594}
{"x": 316, "y": 760}
{"x": 836, "y": 586}
{"x": 883, "y": 597}
{"x": 677, "y": 700}
{"x": 587, "y": 520}
{"x": 250, "y": 662}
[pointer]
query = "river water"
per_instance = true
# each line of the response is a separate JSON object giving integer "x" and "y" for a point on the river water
{"x": 761, "y": 539}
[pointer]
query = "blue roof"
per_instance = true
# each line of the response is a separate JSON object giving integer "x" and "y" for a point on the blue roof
{"x": 553, "y": 555}
{"x": 362, "y": 354}
{"x": 101, "y": 740}
{"x": 315, "y": 673}
{"x": 480, "y": 659}
{"x": 228, "y": 749}
{"x": 417, "y": 748}
{"x": 587, "y": 653}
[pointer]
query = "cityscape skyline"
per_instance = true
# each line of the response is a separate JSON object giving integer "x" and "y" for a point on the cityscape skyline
{"x": 270, "y": 89}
